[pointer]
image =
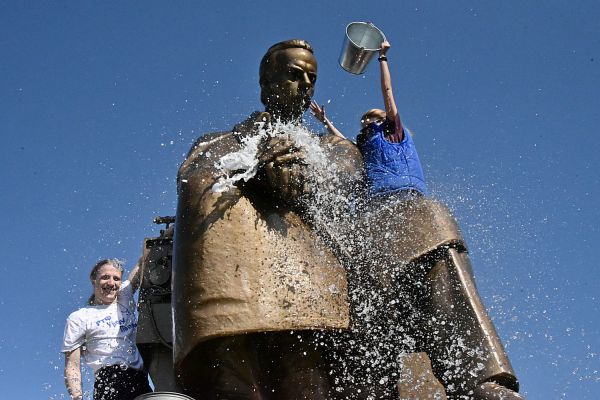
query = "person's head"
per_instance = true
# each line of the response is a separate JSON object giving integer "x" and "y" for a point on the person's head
{"x": 288, "y": 72}
{"x": 105, "y": 277}
{"x": 374, "y": 115}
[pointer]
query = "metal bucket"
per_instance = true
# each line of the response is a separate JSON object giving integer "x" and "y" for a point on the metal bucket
{"x": 362, "y": 41}
{"x": 163, "y": 396}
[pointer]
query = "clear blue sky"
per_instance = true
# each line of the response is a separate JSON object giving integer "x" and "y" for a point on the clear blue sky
{"x": 100, "y": 101}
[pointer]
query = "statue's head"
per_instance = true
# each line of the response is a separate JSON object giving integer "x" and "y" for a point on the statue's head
{"x": 288, "y": 72}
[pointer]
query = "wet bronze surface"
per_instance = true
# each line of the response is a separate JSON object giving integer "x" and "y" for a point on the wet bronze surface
{"x": 253, "y": 264}
{"x": 245, "y": 260}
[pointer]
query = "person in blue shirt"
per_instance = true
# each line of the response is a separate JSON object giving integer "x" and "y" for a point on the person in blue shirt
{"x": 393, "y": 173}
{"x": 410, "y": 281}
{"x": 390, "y": 158}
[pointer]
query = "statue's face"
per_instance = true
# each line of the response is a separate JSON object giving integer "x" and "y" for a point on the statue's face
{"x": 290, "y": 85}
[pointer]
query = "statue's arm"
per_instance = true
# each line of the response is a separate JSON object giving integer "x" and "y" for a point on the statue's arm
{"x": 73, "y": 373}
{"x": 347, "y": 157}
{"x": 198, "y": 204}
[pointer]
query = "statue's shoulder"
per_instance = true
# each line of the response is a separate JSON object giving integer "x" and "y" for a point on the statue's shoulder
{"x": 204, "y": 149}
{"x": 211, "y": 146}
{"x": 207, "y": 140}
{"x": 332, "y": 140}
{"x": 344, "y": 151}
{"x": 240, "y": 130}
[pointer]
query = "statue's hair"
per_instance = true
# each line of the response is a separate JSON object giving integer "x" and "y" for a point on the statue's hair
{"x": 268, "y": 58}
{"x": 115, "y": 262}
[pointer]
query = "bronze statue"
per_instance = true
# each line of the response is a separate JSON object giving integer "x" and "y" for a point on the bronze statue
{"x": 414, "y": 293}
{"x": 252, "y": 281}
{"x": 279, "y": 293}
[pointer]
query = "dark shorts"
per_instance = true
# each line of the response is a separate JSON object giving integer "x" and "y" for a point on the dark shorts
{"x": 117, "y": 383}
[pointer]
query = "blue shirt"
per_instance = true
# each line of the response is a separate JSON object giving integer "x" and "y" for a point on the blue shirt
{"x": 391, "y": 167}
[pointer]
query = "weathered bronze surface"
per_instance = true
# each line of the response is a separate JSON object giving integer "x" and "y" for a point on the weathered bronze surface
{"x": 417, "y": 382}
{"x": 260, "y": 283}
{"x": 245, "y": 260}
{"x": 416, "y": 258}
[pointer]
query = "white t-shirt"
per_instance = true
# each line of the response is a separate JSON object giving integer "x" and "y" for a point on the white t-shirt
{"x": 106, "y": 333}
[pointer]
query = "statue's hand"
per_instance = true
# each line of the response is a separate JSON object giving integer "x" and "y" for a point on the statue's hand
{"x": 263, "y": 117}
{"x": 284, "y": 169}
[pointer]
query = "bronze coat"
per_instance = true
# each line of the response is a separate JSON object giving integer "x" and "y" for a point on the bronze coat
{"x": 242, "y": 264}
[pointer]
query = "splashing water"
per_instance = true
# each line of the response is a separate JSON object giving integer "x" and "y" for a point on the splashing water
{"x": 243, "y": 164}
{"x": 331, "y": 209}
{"x": 239, "y": 165}
{"x": 386, "y": 320}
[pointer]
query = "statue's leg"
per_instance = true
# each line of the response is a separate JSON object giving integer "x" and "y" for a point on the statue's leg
{"x": 461, "y": 340}
{"x": 258, "y": 366}
{"x": 366, "y": 361}
{"x": 223, "y": 368}
{"x": 292, "y": 364}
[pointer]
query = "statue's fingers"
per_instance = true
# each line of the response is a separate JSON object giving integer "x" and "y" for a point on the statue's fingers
{"x": 283, "y": 145}
{"x": 276, "y": 147}
{"x": 292, "y": 185}
{"x": 270, "y": 170}
{"x": 293, "y": 194}
{"x": 293, "y": 175}
{"x": 299, "y": 179}
{"x": 284, "y": 178}
{"x": 263, "y": 117}
{"x": 298, "y": 172}
{"x": 297, "y": 157}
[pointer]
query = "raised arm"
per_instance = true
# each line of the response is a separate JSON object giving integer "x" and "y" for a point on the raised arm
{"x": 319, "y": 113}
{"x": 73, "y": 374}
{"x": 134, "y": 276}
{"x": 386, "y": 90}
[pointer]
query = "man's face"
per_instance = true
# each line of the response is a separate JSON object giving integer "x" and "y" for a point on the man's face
{"x": 290, "y": 85}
